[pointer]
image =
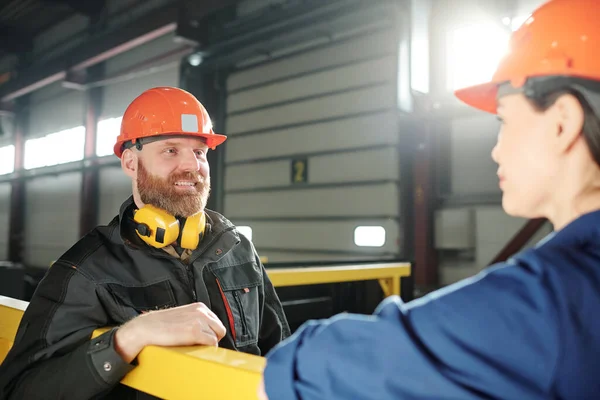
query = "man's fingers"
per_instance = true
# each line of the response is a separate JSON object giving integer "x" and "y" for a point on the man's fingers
{"x": 217, "y": 326}
{"x": 208, "y": 337}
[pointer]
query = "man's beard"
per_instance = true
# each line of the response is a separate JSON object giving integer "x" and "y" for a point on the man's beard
{"x": 162, "y": 193}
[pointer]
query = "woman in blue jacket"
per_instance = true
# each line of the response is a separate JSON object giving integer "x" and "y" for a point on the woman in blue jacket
{"x": 523, "y": 329}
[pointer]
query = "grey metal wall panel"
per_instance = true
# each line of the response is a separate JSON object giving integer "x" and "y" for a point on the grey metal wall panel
{"x": 154, "y": 48}
{"x": 62, "y": 36}
{"x": 372, "y": 200}
{"x": 54, "y": 109}
{"x": 359, "y": 166}
{"x": 52, "y": 217}
{"x": 369, "y": 72}
{"x": 252, "y": 6}
{"x": 5, "y": 191}
{"x": 338, "y": 105}
{"x": 324, "y": 236}
{"x": 472, "y": 168}
{"x": 115, "y": 188}
{"x": 347, "y": 133}
{"x": 334, "y": 104}
{"x": 118, "y": 96}
{"x": 363, "y": 48}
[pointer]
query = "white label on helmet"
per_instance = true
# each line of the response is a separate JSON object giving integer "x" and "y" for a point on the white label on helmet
{"x": 189, "y": 123}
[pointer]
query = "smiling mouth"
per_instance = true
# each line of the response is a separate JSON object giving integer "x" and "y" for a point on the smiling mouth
{"x": 185, "y": 184}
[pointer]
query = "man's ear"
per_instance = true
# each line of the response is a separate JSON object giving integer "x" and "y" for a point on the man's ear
{"x": 129, "y": 163}
{"x": 570, "y": 117}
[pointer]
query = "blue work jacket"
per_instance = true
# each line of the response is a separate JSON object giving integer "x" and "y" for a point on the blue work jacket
{"x": 525, "y": 329}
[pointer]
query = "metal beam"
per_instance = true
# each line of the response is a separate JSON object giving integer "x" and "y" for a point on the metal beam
{"x": 237, "y": 40}
{"x": 150, "y": 26}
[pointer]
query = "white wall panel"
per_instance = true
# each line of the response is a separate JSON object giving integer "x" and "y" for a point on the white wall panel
{"x": 379, "y": 164}
{"x": 52, "y": 217}
{"x": 5, "y": 191}
{"x": 321, "y": 236}
{"x": 473, "y": 170}
{"x": 363, "y": 73}
{"x": 348, "y": 103}
{"x": 372, "y": 200}
{"x": 348, "y": 133}
{"x": 54, "y": 109}
{"x": 115, "y": 188}
{"x": 366, "y": 47}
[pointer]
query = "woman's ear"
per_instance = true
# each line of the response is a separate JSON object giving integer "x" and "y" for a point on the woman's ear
{"x": 570, "y": 117}
{"x": 129, "y": 163}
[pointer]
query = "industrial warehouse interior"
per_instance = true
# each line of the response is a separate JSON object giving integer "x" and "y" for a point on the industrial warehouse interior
{"x": 351, "y": 174}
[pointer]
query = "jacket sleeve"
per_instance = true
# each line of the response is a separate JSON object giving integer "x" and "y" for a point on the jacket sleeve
{"x": 53, "y": 356}
{"x": 274, "y": 326}
{"x": 492, "y": 336}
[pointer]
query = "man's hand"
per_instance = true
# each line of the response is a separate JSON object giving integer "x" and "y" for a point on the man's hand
{"x": 188, "y": 325}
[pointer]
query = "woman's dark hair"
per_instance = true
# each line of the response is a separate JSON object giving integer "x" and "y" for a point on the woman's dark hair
{"x": 542, "y": 100}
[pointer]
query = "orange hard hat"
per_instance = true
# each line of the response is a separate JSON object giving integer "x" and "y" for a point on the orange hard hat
{"x": 560, "y": 38}
{"x": 165, "y": 111}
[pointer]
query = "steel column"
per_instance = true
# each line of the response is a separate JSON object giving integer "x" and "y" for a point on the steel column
{"x": 90, "y": 186}
{"x": 16, "y": 240}
{"x": 209, "y": 88}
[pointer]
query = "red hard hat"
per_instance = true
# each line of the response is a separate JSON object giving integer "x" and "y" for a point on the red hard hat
{"x": 561, "y": 38}
{"x": 166, "y": 111}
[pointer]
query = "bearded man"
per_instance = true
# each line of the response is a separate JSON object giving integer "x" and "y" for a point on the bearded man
{"x": 165, "y": 271}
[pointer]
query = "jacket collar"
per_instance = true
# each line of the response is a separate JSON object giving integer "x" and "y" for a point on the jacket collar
{"x": 583, "y": 231}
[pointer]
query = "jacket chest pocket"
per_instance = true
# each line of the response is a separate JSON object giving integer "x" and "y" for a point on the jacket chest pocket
{"x": 138, "y": 299}
{"x": 239, "y": 288}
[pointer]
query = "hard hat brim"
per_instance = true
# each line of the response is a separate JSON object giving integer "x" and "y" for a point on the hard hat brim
{"x": 212, "y": 140}
{"x": 482, "y": 97}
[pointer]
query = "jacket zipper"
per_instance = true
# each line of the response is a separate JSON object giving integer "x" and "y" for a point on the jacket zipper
{"x": 190, "y": 274}
{"x": 236, "y": 295}
{"x": 228, "y": 309}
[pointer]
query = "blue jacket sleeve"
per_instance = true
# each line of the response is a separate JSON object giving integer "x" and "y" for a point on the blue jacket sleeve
{"x": 493, "y": 336}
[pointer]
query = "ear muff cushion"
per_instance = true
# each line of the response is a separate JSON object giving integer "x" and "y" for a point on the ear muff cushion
{"x": 193, "y": 231}
{"x": 162, "y": 228}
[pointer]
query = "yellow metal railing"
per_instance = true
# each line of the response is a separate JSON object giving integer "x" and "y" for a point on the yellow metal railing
{"x": 11, "y": 312}
{"x": 388, "y": 275}
{"x": 168, "y": 372}
{"x": 210, "y": 372}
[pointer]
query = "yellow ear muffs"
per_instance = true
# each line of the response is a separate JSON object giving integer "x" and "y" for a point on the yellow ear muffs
{"x": 158, "y": 228}
{"x": 193, "y": 231}
{"x": 155, "y": 226}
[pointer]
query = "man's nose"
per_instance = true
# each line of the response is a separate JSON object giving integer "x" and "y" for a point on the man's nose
{"x": 189, "y": 161}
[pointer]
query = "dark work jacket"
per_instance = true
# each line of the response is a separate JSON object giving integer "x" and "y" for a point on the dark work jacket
{"x": 110, "y": 276}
